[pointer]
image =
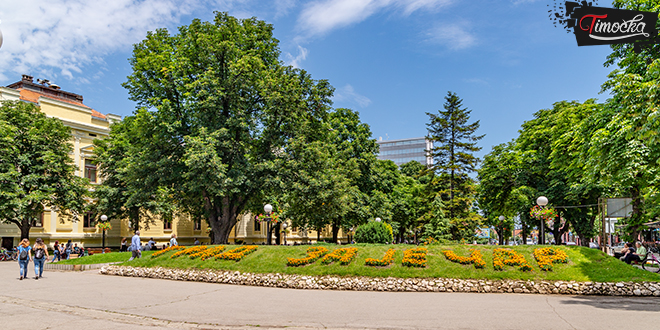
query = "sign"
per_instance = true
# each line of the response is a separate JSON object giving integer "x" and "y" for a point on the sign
{"x": 605, "y": 26}
{"x": 619, "y": 207}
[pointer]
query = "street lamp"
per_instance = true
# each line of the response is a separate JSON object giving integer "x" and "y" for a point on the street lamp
{"x": 284, "y": 225}
{"x": 378, "y": 220}
{"x": 104, "y": 218}
{"x": 542, "y": 201}
{"x": 501, "y": 229}
{"x": 268, "y": 209}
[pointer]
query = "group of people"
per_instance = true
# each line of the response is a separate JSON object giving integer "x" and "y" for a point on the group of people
{"x": 25, "y": 254}
{"x": 136, "y": 246}
{"x": 633, "y": 254}
{"x": 64, "y": 251}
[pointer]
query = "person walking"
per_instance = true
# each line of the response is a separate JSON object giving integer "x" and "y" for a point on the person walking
{"x": 56, "y": 252}
{"x": 68, "y": 249}
{"x": 136, "y": 246}
{"x": 40, "y": 257}
{"x": 173, "y": 241}
{"x": 124, "y": 248}
{"x": 24, "y": 256}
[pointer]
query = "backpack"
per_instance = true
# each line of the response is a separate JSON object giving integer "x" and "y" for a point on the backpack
{"x": 39, "y": 253}
{"x": 23, "y": 255}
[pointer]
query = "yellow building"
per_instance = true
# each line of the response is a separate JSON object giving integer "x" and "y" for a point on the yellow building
{"x": 86, "y": 125}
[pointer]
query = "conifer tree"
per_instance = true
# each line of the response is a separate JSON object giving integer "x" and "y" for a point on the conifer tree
{"x": 454, "y": 145}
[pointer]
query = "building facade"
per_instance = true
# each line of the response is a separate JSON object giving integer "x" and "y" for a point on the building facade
{"x": 406, "y": 150}
{"x": 87, "y": 125}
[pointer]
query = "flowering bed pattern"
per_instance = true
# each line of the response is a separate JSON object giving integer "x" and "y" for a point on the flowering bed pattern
{"x": 344, "y": 255}
{"x": 476, "y": 258}
{"x": 188, "y": 251}
{"x": 545, "y": 257}
{"x": 236, "y": 254}
{"x": 386, "y": 261}
{"x": 163, "y": 251}
{"x": 414, "y": 257}
{"x": 509, "y": 257}
{"x": 208, "y": 253}
{"x": 313, "y": 253}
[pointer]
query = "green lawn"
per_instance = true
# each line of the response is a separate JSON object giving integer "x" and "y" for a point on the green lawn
{"x": 584, "y": 264}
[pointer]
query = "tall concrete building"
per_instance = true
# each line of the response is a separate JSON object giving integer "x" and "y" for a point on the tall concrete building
{"x": 405, "y": 150}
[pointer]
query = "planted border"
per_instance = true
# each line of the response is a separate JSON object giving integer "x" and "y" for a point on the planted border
{"x": 208, "y": 253}
{"x": 344, "y": 255}
{"x": 545, "y": 257}
{"x": 386, "y": 261}
{"x": 313, "y": 254}
{"x": 476, "y": 258}
{"x": 509, "y": 257}
{"x": 236, "y": 254}
{"x": 171, "y": 248}
{"x": 415, "y": 257}
{"x": 188, "y": 251}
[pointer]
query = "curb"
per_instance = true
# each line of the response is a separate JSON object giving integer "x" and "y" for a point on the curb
{"x": 51, "y": 266}
{"x": 391, "y": 284}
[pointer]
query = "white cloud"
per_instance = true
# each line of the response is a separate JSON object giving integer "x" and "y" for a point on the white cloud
{"x": 63, "y": 36}
{"x": 323, "y": 16}
{"x": 453, "y": 36}
{"x": 348, "y": 94}
{"x": 282, "y": 7}
{"x": 294, "y": 61}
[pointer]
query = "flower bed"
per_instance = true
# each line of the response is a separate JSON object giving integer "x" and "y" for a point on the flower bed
{"x": 208, "y": 253}
{"x": 545, "y": 257}
{"x": 386, "y": 261}
{"x": 475, "y": 258}
{"x": 313, "y": 253}
{"x": 190, "y": 250}
{"x": 509, "y": 257}
{"x": 237, "y": 254}
{"x": 414, "y": 257}
{"x": 343, "y": 255}
{"x": 163, "y": 251}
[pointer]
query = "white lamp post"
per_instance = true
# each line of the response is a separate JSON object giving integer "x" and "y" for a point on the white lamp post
{"x": 501, "y": 229}
{"x": 284, "y": 225}
{"x": 104, "y": 218}
{"x": 542, "y": 201}
{"x": 268, "y": 209}
{"x": 378, "y": 220}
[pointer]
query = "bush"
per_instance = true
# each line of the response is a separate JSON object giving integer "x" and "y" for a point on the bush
{"x": 374, "y": 232}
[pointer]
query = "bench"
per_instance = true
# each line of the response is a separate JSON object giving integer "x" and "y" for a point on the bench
{"x": 97, "y": 250}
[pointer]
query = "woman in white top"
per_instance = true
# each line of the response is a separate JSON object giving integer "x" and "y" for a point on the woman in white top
{"x": 173, "y": 241}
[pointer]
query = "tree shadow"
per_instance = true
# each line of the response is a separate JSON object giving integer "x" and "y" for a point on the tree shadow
{"x": 642, "y": 304}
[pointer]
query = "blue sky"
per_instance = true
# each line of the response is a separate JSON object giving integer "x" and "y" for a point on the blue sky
{"x": 391, "y": 60}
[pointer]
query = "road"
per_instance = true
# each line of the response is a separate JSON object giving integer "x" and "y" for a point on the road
{"x": 87, "y": 300}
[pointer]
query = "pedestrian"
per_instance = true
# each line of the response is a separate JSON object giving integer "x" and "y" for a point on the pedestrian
{"x": 68, "y": 249}
{"x": 152, "y": 244}
{"x": 40, "y": 257}
{"x": 173, "y": 241}
{"x": 56, "y": 251}
{"x": 136, "y": 245}
{"x": 196, "y": 242}
{"x": 24, "y": 256}
{"x": 123, "y": 245}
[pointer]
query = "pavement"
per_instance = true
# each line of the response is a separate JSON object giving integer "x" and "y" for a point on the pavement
{"x": 88, "y": 300}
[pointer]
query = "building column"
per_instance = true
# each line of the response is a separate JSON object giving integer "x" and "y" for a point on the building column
{"x": 76, "y": 156}
{"x": 53, "y": 221}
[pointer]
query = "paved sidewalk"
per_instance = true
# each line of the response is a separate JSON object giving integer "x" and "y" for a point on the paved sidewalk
{"x": 86, "y": 300}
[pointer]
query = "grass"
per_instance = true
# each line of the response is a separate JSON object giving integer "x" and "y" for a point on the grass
{"x": 583, "y": 265}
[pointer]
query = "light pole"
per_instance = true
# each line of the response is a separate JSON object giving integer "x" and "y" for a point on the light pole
{"x": 284, "y": 225}
{"x": 500, "y": 233}
{"x": 542, "y": 201}
{"x": 104, "y": 218}
{"x": 268, "y": 209}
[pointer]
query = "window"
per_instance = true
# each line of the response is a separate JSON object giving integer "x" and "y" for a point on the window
{"x": 257, "y": 225}
{"x": 90, "y": 170}
{"x": 198, "y": 224}
{"x": 89, "y": 220}
{"x": 39, "y": 221}
{"x": 167, "y": 225}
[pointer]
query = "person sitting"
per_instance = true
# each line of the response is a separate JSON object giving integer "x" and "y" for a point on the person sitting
{"x": 625, "y": 250}
{"x": 636, "y": 254}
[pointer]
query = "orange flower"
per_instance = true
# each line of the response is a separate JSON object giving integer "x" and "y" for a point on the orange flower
{"x": 414, "y": 257}
{"x": 163, "y": 251}
{"x": 313, "y": 253}
{"x": 386, "y": 261}
{"x": 343, "y": 255}
{"x": 189, "y": 250}
{"x": 509, "y": 257}
{"x": 545, "y": 257}
{"x": 237, "y": 254}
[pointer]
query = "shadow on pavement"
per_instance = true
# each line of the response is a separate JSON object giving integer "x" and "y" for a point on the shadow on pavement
{"x": 644, "y": 304}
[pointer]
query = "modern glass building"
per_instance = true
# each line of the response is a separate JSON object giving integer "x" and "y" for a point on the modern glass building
{"x": 405, "y": 150}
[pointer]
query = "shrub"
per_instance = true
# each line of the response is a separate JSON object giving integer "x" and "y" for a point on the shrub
{"x": 374, "y": 232}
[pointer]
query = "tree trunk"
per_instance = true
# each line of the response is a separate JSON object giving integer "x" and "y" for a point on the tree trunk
{"x": 335, "y": 232}
{"x": 318, "y": 235}
{"x": 523, "y": 232}
{"x": 278, "y": 236}
{"x": 25, "y": 228}
{"x": 635, "y": 217}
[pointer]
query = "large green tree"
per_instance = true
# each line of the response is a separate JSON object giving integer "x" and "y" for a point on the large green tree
{"x": 454, "y": 145}
{"x": 36, "y": 169}
{"x": 219, "y": 110}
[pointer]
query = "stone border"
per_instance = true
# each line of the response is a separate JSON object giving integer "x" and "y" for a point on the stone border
{"x": 331, "y": 282}
{"x": 52, "y": 266}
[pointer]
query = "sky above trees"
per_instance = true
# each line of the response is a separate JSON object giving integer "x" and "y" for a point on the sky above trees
{"x": 391, "y": 60}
